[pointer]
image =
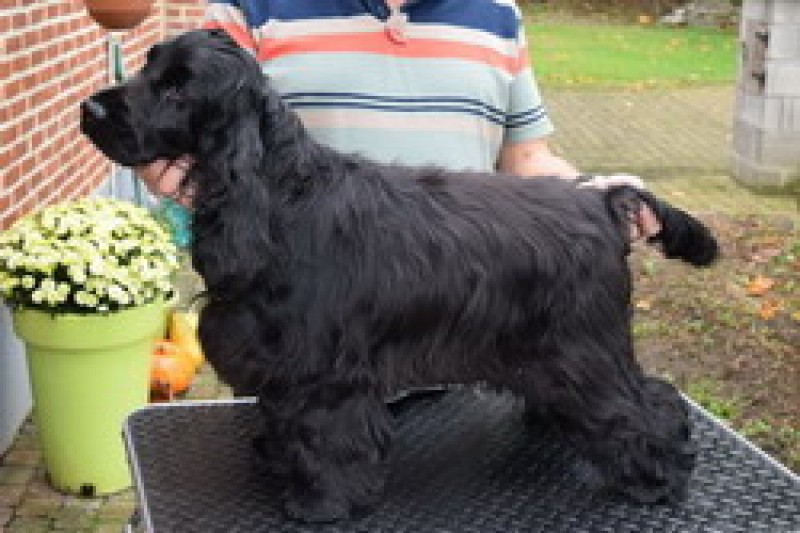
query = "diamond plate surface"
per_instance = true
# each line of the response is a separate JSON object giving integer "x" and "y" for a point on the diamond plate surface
{"x": 463, "y": 462}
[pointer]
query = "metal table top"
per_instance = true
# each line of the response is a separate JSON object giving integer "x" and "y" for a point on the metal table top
{"x": 463, "y": 462}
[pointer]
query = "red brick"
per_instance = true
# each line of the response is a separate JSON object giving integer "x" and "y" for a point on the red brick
{"x": 38, "y": 15}
{"x": 19, "y": 20}
{"x": 31, "y": 38}
{"x": 17, "y": 150}
{"x": 14, "y": 44}
{"x": 6, "y": 136}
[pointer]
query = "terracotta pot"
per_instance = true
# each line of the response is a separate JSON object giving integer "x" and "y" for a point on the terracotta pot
{"x": 118, "y": 14}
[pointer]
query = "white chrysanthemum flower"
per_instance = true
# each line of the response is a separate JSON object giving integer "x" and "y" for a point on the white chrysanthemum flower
{"x": 8, "y": 284}
{"x": 91, "y": 254}
{"x": 98, "y": 286}
{"x": 14, "y": 260}
{"x": 119, "y": 295}
{"x": 77, "y": 273}
{"x": 86, "y": 299}
{"x": 98, "y": 267}
{"x": 48, "y": 285}
{"x": 55, "y": 298}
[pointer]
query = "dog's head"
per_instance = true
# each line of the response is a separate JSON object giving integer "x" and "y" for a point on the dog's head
{"x": 202, "y": 95}
{"x": 191, "y": 89}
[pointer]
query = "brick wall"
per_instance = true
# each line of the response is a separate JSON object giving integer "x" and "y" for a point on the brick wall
{"x": 52, "y": 55}
{"x": 182, "y": 15}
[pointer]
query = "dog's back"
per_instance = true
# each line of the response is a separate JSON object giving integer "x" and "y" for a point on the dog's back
{"x": 506, "y": 211}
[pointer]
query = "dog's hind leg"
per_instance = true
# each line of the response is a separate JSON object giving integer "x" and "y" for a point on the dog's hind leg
{"x": 634, "y": 429}
{"x": 335, "y": 438}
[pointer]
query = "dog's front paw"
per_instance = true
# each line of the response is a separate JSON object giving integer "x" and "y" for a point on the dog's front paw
{"x": 317, "y": 509}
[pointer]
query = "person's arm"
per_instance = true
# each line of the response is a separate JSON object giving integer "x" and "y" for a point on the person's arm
{"x": 533, "y": 158}
{"x": 524, "y": 151}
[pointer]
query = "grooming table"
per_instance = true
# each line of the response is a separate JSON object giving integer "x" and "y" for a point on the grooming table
{"x": 463, "y": 461}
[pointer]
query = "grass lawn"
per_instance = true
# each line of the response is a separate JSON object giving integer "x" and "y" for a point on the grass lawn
{"x": 578, "y": 54}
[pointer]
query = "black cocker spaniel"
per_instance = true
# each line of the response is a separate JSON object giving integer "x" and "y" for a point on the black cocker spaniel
{"x": 334, "y": 281}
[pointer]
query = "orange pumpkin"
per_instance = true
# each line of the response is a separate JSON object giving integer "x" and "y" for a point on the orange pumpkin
{"x": 171, "y": 371}
{"x": 183, "y": 332}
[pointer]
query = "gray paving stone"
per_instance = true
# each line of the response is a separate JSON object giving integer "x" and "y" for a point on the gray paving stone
{"x": 29, "y": 525}
{"x": 10, "y": 495}
{"x": 23, "y": 457}
{"x": 655, "y": 134}
{"x": 5, "y": 515}
{"x": 16, "y": 475}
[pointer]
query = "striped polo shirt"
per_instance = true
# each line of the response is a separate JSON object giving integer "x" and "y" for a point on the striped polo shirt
{"x": 442, "y": 82}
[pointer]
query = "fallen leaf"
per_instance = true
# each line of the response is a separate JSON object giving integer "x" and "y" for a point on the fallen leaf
{"x": 644, "y": 305}
{"x": 769, "y": 308}
{"x": 759, "y": 285}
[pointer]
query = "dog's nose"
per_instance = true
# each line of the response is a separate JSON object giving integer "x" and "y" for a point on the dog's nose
{"x": 94, "y": 108}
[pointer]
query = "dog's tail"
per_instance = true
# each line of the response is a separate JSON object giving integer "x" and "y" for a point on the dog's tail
{"x": 681, "y": 235}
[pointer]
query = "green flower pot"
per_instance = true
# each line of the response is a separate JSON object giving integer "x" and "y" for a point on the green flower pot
{"x": 88, "y": 372}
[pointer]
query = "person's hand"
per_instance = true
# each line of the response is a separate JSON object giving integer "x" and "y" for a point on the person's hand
{"x": 163, "y": 177}
{"x": 644, "y": 223}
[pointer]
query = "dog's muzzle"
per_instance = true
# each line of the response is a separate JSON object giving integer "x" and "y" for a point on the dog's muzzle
{"x": 106, "y": 125}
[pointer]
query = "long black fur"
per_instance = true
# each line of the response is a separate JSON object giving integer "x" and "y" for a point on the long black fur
{"x": 334, "y": 281}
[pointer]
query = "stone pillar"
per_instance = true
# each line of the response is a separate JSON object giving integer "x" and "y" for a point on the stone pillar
{"x": 766, "y": 133}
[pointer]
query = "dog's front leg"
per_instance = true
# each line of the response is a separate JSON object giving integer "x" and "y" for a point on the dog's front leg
{"x": 336, "y": 438}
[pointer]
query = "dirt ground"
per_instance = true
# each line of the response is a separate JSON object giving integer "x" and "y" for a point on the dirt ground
{"x": 729, "y": 335}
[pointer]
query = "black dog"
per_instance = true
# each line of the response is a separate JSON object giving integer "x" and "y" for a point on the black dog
{"x": 333, "y": 281}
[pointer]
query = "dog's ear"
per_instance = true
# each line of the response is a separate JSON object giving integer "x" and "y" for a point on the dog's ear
{"x": 235, "y": 244}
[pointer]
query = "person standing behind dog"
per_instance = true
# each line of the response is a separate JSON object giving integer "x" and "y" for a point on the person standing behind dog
{"x": 416, "y": 82}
